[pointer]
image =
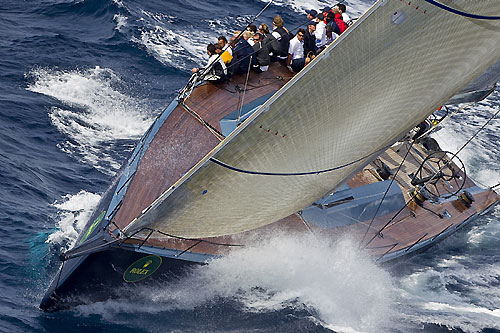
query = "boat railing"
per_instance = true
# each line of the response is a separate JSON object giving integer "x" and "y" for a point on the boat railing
{"x": 119, "y": 240}
{"x": 442, "y": 231}
{"x": 390, "y": 246}
{"x": 416, "y": 242}
{"x": 152, "y": 231}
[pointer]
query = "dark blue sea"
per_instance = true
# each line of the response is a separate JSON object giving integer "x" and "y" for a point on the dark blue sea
{"x": 81, "y": 80}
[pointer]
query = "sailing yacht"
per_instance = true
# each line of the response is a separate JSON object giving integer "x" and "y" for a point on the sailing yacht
{"x": 325, "y": 151}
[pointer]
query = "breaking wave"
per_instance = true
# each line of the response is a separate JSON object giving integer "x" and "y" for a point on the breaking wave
{"x": 74, "y": 211}
{"x": 480, "y": 156}
{"x": 332, "y": 284}
{"x": 175, "y": 48}
{"x": 94, "y": 113}
{"x": 457, "y": 290}
{"x": 355, "y": 7}
{"x": 121, "y": 22}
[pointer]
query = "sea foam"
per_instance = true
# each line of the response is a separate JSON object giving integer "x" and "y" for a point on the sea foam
{"x": 354, "y": 7}
{"x": 94, "y": 112}
{"x": 480, "y": 156}
{"x": 336, "y": 283}
{"x": 73, "y": 213}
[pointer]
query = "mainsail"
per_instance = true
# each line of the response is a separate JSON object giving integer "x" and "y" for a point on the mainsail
{"x": 385, "y": 74}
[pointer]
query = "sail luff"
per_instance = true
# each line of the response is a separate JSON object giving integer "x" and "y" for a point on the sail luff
{"x": 360, "y": 95}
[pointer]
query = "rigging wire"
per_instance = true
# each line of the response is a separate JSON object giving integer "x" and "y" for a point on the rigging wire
{"x": 446, "y": 116}
{"x": 194, "y": 78}
{"x": 195, "y": 115}
{"x": 291, "y": 30}
{"x": 379, "y": 233}
{"x": 387, "y": 191}
{"x": 74, "y": 253}
{"x": 244, "y": 91}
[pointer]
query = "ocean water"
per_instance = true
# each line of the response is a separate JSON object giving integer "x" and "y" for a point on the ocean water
{"x": 81, "y": 80}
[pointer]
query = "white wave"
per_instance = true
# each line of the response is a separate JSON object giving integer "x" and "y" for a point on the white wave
{"x": 98, "y": 113}
{"x": 184, "y": 48}
{"x": 486, "y": 235}
{"x": 458, "y": 291}
{"x": 462, "y": 309}
{"x": 354, "y": 7}
{"x": 342, "y": 286}
{"x": 480, "y": 156}
{"x": 179, "y": 49}
{"x": 121, "y": 22}
{"x": 431, "y": 295}
{"x": 157, "y": 16}
{"x": 119, "y": 3}
{"x": 74, "y": 211}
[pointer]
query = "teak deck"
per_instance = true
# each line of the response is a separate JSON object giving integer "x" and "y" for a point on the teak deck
{"x": 183, "y": 140}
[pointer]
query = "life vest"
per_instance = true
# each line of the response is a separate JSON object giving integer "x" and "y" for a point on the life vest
{"x": 284, "y": 41}
{"x": 226, "y": 57}
{"x": 261, "y": 54}
{"x": 272, "y": 44}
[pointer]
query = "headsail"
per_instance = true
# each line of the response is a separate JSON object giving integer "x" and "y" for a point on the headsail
{"x": 480, "y": 88}
{"x": 399, "y": 62}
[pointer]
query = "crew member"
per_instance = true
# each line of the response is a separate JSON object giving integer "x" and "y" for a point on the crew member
{"x": 296, "y": 59}
{"x": 215, "y": 71}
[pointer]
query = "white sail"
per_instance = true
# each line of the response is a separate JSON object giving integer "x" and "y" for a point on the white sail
{"x": 480, "y": 88}
{"x": 398, "y": 63}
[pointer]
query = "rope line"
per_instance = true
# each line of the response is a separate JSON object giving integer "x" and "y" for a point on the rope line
{"x": 387, "y": 191}
{"x": 195, "y": 115}
{"x": 119, "y": 241}
{"x": 306, "y": 173}
{"x": 244, "y": 92}
{"x": 433, "y": 177}
{"x": 462, "y": 13}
